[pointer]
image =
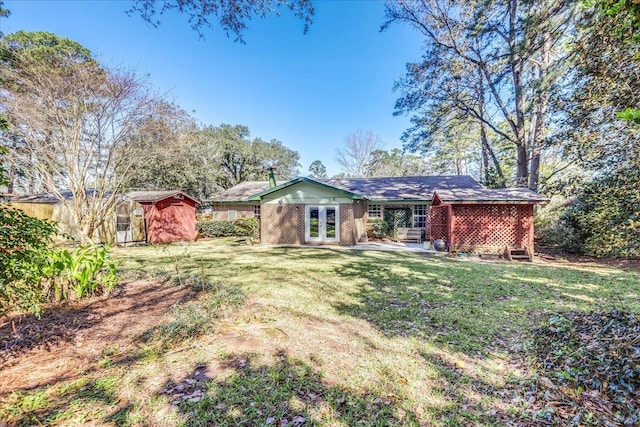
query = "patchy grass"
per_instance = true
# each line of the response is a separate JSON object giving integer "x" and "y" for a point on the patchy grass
{"x": 330, "y": 337}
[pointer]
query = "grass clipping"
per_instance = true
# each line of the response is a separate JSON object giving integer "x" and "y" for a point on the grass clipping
{"x": 198, "y": 317}
{"x": 590, "y": 368}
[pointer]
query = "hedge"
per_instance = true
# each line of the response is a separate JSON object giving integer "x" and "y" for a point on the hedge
{"x": 242, "y": 227}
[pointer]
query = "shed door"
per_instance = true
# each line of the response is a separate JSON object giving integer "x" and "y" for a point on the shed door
{"x": 123, "y": 223}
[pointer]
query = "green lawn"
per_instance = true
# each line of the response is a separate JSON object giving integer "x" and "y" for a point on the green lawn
{"x": 333, "y": 337}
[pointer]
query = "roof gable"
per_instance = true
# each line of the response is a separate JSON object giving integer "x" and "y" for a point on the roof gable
{"x": 155, "y": 196}
{"x": 294, "y": 181}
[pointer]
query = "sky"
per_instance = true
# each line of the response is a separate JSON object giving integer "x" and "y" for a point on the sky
{"x": 309, "y": 91}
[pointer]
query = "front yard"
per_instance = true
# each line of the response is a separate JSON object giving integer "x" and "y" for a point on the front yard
{"x": 226, "y": 333}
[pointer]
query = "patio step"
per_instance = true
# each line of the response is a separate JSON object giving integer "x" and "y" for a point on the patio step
{"x": 519, "y": 254}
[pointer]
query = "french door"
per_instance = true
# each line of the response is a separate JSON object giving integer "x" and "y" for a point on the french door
{"x": 322, "y": 224}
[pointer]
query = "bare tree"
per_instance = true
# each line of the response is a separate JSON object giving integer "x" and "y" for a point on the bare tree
{"x": 357, "y": 153}
{"x": 77, "y": 124}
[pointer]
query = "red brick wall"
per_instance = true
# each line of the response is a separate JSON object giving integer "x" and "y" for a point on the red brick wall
{"x": 348, "y": 235}
{"x": 353, "y": 223}
{"x": 282, "y": 224}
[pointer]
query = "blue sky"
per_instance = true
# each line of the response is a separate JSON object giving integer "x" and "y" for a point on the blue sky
{"x": 308, "y": 91}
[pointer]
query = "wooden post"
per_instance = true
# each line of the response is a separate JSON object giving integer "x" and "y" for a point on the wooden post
{"x": 531, "y": 231}
{"x": 450, "y": 225}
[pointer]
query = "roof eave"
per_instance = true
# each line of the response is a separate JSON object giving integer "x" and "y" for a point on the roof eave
{"x": 259, "y": 196}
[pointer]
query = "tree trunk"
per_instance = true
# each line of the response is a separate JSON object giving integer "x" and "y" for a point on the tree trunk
{"x": 517, "y": 65}
{"x": 543, "y": 104}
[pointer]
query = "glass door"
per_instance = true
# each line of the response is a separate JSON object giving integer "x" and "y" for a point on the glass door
{"x": 123, "y": 223}
{"x": 321, "y": 224}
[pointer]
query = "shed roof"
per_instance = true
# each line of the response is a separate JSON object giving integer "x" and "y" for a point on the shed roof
{"x": 402, "y": 188}
{"x": 49, "y": 197}
{"x": 484, "y": 195}
{"x": 240, "y": 192}
{"x": 154, "y": 196}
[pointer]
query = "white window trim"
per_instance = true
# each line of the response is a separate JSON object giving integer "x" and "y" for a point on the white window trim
{"x": 307, "y": 224}
{"x": 379, "y": 210}
{"x": 425, "y": 215}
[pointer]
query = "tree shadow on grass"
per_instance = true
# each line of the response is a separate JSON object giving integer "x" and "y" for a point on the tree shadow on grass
{"x": 289, "y": 392}
{"x": 36, "y": 407}
{"x": 473, "y": 307}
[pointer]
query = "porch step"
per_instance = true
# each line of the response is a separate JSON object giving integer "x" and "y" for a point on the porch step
{"x": 517, "y": 254}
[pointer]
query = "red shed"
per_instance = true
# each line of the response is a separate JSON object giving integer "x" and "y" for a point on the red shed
{"x": 169, "y": 216}
{"x": 485, "y": 220}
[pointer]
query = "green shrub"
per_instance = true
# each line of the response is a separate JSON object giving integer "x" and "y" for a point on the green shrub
{"x": 605, "y": 219}
{"x": 378, "y": 228}
{"x": 242, "y": 227}
{"x": 85, "y": 271}
{"x": 216, "y": 228}
{"x": 24, "y": 255}
{"x": 248, "y": 227}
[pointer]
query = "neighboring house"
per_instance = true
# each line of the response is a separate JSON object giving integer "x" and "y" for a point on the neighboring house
{"x": 139, "y": 216}
{"x": 456, "y": 209}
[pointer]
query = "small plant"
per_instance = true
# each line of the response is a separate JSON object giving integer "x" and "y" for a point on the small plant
{"x": 85, "y": 271}
{"x": 24, "y": 251}
{"x": 197, "y": 317}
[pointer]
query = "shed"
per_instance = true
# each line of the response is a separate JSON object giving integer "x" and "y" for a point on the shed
{"x": 475, "y": 220}
{"x": 50, "y": 207}
{"x": 139, "y": 216}
{"x": 169, "y": 216}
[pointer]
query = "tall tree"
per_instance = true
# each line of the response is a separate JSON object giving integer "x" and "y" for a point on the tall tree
{"x": 231, "y": 15}
{"x": 396, "y": 163}
{"x": 356, "y": 154}
{"x": 606, "y": 80}
{"x": 487, "y": 61}
{"x": 77, "y": 121}
{"x": 317, "y": 170}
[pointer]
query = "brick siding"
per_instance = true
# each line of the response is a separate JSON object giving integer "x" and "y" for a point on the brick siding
{"x": 282, "y": 224}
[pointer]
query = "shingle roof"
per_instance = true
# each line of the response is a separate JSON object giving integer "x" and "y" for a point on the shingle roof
{"x": 240, "y": 192}
{"x": 138, "y": 196}
{"x": 154, "y": 196}
{"x": 402, "y": 188}
{"x": 489, "y": 195}
{"x": 449, "y": 188}
{"x": 48, "y": 197}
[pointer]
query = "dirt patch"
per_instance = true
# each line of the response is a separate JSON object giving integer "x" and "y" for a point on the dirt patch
{"x": 551, "y": 254}
{"x": 70, "y": 340}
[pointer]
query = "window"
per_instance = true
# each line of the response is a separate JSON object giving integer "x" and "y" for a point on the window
{"x": 420, "y": 216}
{"x": 375, "y": 211}
{"x": 256, "y": 211}
{"x": 233, "y": 214}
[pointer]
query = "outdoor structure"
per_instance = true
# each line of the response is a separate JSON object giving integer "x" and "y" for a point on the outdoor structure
{"x": 456, "y": 209}
{"x": 476, "y": 220}
{"x": 140, "y": 216}
{"x": 169, "y": 216}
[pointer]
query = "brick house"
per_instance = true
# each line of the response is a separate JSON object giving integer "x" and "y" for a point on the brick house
{"x": 456, "y": 209}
